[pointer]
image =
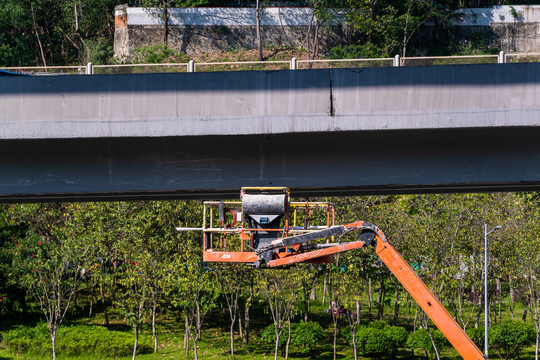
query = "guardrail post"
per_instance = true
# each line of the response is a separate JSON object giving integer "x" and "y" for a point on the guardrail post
{"x": 294, "y": 64}
{"x": 397, "y": 61}
{"x": 191, "y": 66}
{"x": 89, "y": 69}
{"x": 502, "y": 58}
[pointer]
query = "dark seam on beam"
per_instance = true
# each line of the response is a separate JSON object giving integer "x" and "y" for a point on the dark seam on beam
{"x": 332, "y": 109}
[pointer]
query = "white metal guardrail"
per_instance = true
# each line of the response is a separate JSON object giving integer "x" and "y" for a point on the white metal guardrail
{"x": 293, "y": 64}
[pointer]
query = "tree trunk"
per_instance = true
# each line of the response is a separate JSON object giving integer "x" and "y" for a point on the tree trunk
{"x": 511, "y": 298}
{"x": 499, "y": 298}
{"x": 460, "y": 299}
{"x": 136, "y": 341}
{"x": 396, "y": 306}
{"x": 306, "y": 300}
{"x": 308, "y": 37}
{"x": 165, "y": 21}
{"x": 335, "y": 319}
{"x": 358, "y": 309}
{"x": 313, "y": 295}
{"x": 195, "y": 351}
{"x": 53, "y": 341}
{"x": 334, "y": 310}
{"x": 380, "y": 304}
{"x": 76, "y": 15}
{"x": 355, "y": 350}
{"x": 259, "y": 35}
{"x": 154, "y": 332}
{"x": 92, "y": 296}
{"x": 276, "y": 345}
{"x": 536, "y": 345}
{"x": 404, "y": 50}
{"x": 240, "y": 328}
{"x": 102, "y": 294}
{"x": 316, "y": 40}
{"x": 233, "y": 320}
{"x": 426, "y": 323}
{"x": 186, "y": 335}
{"x": 38, "y": 39}
{"x": 199, "y": 325}
{"x": 478, "y": 313}
{"x": 288, "y": 338}
{"x": 325, "y": 288}
{"x": 245, "y": 339}
{"x": 370, "y": 298}
{"x": 75, "y": 302}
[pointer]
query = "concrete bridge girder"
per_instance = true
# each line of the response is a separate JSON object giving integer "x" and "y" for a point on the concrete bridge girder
{"x": 321, "y": 132}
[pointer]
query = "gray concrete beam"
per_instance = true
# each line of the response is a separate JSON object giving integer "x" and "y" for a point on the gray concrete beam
{"x": 310, "y": 163}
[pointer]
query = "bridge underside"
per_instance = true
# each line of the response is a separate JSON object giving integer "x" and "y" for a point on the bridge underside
{"x": 312, "y": 164}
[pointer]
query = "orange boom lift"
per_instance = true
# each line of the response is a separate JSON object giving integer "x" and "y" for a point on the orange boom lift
{"x": 266, "y": 229}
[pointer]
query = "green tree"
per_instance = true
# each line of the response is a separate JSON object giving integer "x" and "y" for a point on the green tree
{"x": 231, "y": 279}
{"x": 50, "y": 257}
{"x": 65, "y": 32}
{"x": 190, "y": 284}
{"x": 146, "y": 242}
{"x": 280, "y": 289}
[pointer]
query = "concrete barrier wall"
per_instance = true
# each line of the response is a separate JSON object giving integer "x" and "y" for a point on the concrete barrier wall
{"x": 270, "y": 102}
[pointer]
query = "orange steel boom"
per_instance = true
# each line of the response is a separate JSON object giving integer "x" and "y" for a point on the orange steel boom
{"x": 275, "y": 236}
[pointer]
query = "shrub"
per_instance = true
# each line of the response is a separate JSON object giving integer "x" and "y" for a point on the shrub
{"x": 157, "y": 54}
{"x": 373, "y": 342}
{"x": 28, "y": 339}
{"x": 365, "y": 51}
{"x": 99, "y": 51}
{"x": 476, "y": 335}
{"x": 509, "y": 337}
{"x": 307, "y": 335}
{"x": 398, "y": 337}
{"x": 74, "y": 340}
{"x": 420, "y": 340}
{"x": 269, "y": 335}
{"x": 378, "y": 324}
{"x": 391, "y": 338}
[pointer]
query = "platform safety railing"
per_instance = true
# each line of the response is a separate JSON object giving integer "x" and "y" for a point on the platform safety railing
{"x": 292, "y": 64}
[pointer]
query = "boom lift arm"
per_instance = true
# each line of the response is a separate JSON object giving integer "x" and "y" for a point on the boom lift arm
{"x": 265, "y": 212}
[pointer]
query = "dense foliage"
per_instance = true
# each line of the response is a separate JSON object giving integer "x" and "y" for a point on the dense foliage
{"x": 509, "y": 337}
{"x": 128, "y": 257}
{"x": 74, "y": 32}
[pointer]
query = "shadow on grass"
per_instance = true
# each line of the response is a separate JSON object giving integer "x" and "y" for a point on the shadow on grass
{"x": 119, "y": 327}
{"x": 168, "y": 352}
{"x": 322, "y": 355}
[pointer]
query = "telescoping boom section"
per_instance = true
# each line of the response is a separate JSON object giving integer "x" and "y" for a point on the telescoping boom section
{"x": 266, "y": 229}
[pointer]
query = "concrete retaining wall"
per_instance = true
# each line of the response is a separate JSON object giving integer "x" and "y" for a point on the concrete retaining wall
{"x": 196, "y": 30}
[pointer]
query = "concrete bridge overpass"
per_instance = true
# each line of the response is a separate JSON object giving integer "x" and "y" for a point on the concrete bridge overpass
{"x": 320, "y": 132}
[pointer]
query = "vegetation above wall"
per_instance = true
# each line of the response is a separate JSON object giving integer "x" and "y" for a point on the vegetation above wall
{"x": 73, "y": 32}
